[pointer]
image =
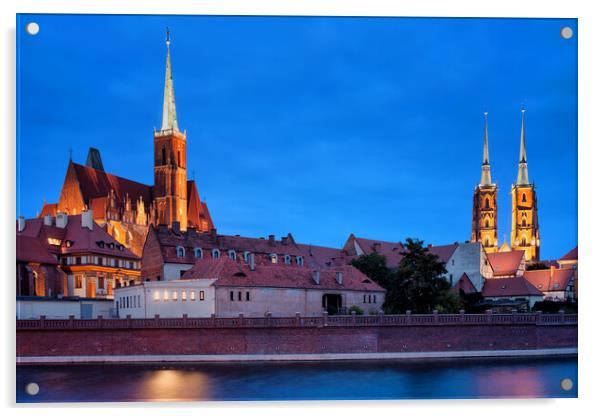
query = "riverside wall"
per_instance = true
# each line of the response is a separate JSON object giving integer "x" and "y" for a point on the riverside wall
{"x": 293, "y": 336}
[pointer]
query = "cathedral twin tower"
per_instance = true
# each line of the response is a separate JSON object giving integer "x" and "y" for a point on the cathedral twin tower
{"x": 525, "y": 228}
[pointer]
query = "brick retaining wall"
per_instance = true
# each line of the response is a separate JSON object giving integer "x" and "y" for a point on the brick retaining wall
{"x": 296, "y": 335}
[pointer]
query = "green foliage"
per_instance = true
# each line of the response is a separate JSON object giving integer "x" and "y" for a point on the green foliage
{"x": 415, "y": 285}
{"x": 550, "y": 306}
{"x": 537, "y": 266}
{"x": 356, "y": 309}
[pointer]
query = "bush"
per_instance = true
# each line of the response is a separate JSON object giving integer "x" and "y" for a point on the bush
{"x": 356, "y": 309}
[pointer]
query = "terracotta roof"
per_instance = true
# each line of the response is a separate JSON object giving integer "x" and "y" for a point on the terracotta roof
{"x": 511, "y": 286}
{"x": 465, "y": 285}
{"x": 444, "y": 252}
{"x": 95, "y": 183}
{"x": 236, "y": 274}
{"x": 198, "y": 213}
{"x": 30, "y": 249}
{"x": 550, "y": 279}
{"x": 48, "y": 209}
{"x": 571, "y": 255}
{"x": 313, "y": 256}
{"x": 506, "y": 263}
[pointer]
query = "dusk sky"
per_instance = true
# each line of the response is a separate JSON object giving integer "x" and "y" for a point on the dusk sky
{"x": 320, "y": 127}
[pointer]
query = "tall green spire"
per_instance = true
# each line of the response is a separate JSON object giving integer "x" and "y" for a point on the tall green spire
{"x": 170, "y": 121}
{"x": 523, "y": 174}
{"x": 485, "y": 168}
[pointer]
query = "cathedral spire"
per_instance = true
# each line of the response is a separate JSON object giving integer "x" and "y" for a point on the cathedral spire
{"x": 485, "y": 168}
{"x": 170, "y": 121}
{"x": 523, "y": 175}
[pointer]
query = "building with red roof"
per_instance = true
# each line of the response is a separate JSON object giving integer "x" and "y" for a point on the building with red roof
{"x": 515, "y": 291}
{"x": 234, "y": 287}
{"x": 555, "y": 284}
{"x": 71, "y": 255}
{"x": 507, "y": 263}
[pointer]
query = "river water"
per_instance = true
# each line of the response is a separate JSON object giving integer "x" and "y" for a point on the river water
{"x": 425, "y": 379}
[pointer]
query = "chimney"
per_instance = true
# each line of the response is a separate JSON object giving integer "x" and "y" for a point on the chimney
{"x": 315, "y": 274}
{"x": 62, "y": 219}
{"x": 21, "y": 223}
{"x": 285, "y": 240}
{"x": 252, "y": 261}
{"x": 213, "y": 233}
{"x": 340, "y": 278}
{"x": 47, "y": 219}
{"x": 271, "y": 238}
{"x": 175, "y": 226}
{"x": 87, "y": 221}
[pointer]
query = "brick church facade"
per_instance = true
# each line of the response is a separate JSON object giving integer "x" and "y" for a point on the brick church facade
{"x": 125, "y": 208}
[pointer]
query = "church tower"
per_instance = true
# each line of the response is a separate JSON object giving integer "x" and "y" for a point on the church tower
{"x": 484, "y": 205}
{"x": 525, "y": 227}
{"x": 170, "y": 189}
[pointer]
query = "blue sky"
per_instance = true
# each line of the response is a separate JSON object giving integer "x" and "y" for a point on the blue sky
{"x": 315, "y": 126}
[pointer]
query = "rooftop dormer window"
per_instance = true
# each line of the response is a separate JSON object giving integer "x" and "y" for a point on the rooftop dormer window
{"x": 245, "y": 256}
{"x": 111, "y": 246}
{"x": 68, "y": 243}
{"x": 180, "y": 252}
{"x": 54, "y": 241}
{"x": 232, "y": 254}
{"x": 287, "y": 259}
{"x": 198, "y": 253}
{"x": 299, "y": 260}
{"x": 215, "y": 253}
{"x": 273, "y": 258}
{"x": 100, "y": 244}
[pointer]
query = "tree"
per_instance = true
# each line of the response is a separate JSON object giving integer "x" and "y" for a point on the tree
{"x": 375, "y": 267}
{"x": 417, "y": 284}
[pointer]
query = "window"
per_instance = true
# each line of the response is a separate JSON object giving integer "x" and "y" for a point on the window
{"x": 179, "y": 164}
{"x": 127, "y": 302}
{"x": 524, "y": 198}
{"x": 202, "y": 295}
{"x": 215, "y": 253}
{"x": 287, "y": 259}
{"x": 373, "y": 298}
{"x": 138, "y": 300}
{"x": 299, "y": 260}
{"x": 163, "y": 155}
{"x": 239, "y": 296}
{"x": 165, "y": 295}
{"x": 245, "y": 256}
{"x": 184, "y": 295}
{"x": 487, "y": 203}
{"x": 78, "y": 260}
{"x": 364, "y": 298}
{"x": 248, "y": 296}
{"x": 192, "y": 295}
{"x": 180, "y": 251}
{"x": 101, "y": 282}
{"x": 232, "y": 254}
{"x": 174, "y": 295}
{"x": 156, "y": 296}
{"x": 231, "y": 296}
{"x": 524, "y": 223}
{"x": 78, "y": 282}
{"x": 273, "y": 258}
{"x": 198, "y": 253}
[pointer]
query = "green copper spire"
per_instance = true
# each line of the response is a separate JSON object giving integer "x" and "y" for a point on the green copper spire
{"x": 485, "y": 168}
{"x": 170, "y": 121}
{"x": 523, "y": 174}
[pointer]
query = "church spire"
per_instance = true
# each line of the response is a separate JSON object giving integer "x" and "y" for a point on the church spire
{"x": 523, "y": 175}
{"x": 485, "y": 168}
{"x": 170, "y": 121}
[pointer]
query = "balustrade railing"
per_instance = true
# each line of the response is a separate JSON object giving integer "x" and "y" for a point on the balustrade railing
{"x": 325, "y": 320}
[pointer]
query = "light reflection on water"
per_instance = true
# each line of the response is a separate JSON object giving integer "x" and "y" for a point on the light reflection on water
{"x": 475, "y": 378}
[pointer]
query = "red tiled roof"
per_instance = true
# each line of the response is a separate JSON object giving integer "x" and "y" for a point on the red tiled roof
{"x": 48, "y": 209}
{"x": 30, "y": 249}
{"x": 236, "y": 274}
{"x": 198, "y": 213}
{"x": 506, "y": 263}
{"x": 550, "y": 279}
{"x": 465, "y": 285}
{"x": 444, "y": 252}
{"x": 571, "y": 255}
{"x": 97, "y": 183}
{"x": 511, "y": 286}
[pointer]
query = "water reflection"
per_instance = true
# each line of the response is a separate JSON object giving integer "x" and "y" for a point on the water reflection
{"x": 301, "y": 381}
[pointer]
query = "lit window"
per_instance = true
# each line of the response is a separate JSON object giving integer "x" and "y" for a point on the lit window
{"x": 198, "y": 253}
{"x": 156, "y": 295}
{"x": 54, "y": 241}
{"x": 215, "y": 253}
{"x": 183, "y": 295}
{"x": 273, "y": 258}
{"x": 174, "y": 295}
{"x": 232, "y": 254}
{"x": 78, "y": 282}
{"x": 192, "y": 295}
{"x": 287, "y": 259}
{"x": 201, "y": 295}
{"x": 166, "y": 295}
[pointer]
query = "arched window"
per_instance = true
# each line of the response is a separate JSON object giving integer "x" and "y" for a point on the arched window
{"x": 523, "y": 242}
{"x": 299, "y": 260}
{"x": 287, "y": 259}
{"x": 198, "y": 253}
{"x": 179, "y": 164}
{"x": 524, "y": 198}
{"x": 273, "y": 258}
{"x": 486, "y": 242}
{"x": 232, "y": 254}
{"x": 524, "y": 223}
{"x": 486, "y": 223}
{"x": 35, "y": 284}
{"x": 180, "y": 252}
{"x": 245, "y": 256}
{"x": 163, "y": 155}
{"x": 215, "y": 253}
{"x": 487, "y": 203}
